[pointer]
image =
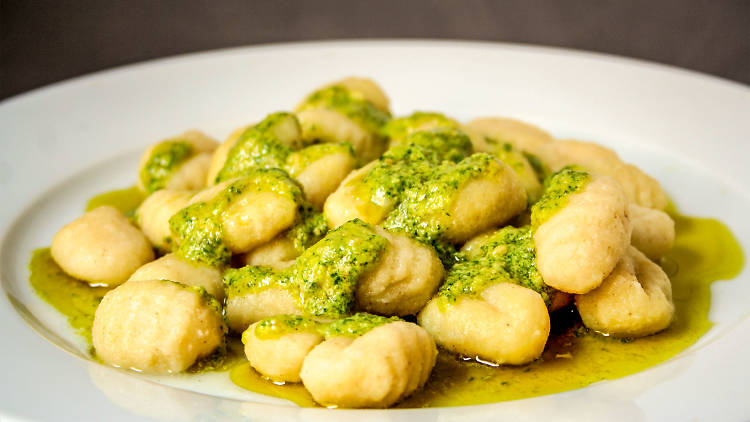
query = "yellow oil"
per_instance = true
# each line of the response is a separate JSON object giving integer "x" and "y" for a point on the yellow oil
{"x": 705, "y": 251}
{"x": 73, "y": 298}
{"x": 126, "y": 200}
{"x": 246, "y": 377}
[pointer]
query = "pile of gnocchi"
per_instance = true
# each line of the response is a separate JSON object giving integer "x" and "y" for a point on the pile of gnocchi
{"x": 345, "y": 246}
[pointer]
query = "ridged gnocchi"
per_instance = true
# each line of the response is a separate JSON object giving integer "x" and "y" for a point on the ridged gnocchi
{"x": 578, "y": 245}
{"x": 376, "y": 369}
{"x": 635, "y": 300}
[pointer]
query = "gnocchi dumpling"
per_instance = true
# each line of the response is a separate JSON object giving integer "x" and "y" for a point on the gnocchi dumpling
{"x": 582, "y": 230}
{"x": 264, "y": 145}
{"x": 635, "y": 300}
{"x": 497, "y": 130}
{"x": 639, "y": 187}
{"x": 405, "y": 278}
{"x": 190, "y": 273}
{"x": 257, "y": 292}
{"x": 398, "y": 130}
{"x": 460, "y": 201}
{"x": 154, "y": 213}
{"x": 279, "y": 355}
{"x": 367, "y": 89}
{"x": 345, "y": 113}
{"x": 236, "y": 216}
{"x": 653, "y": 231}
{"x": 375, "y": 369}
{"x": 355, "y": 264}
{"x": 276, "y": 142}
{"x": 352, "y": 199}
{"x": 101, "y": 247}
{"x": 504, "y": 324}
{"x": 373, "y": 191}
{"x": 178, "y": 163}
{"x": 278, "y": 254}
{"x": 320, "y": 169}
{"x": 156, "y": 326}
{"x": 219, "y": 156}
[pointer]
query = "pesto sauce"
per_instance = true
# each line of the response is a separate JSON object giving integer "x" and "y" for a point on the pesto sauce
{"x": 508, "y": 255}
{"x": 564, "y": 183}
{"x": 349, "y": 104}
{"x": 351, "y": 326}
{"x": 258, "y": 147}
{"x": 424, "y": 211}
{"x": 253, "y": 278}
{"x": 410, "y": 164}
{"x": 198, "y": 228}
{"x": 75, "y": 299}
{"x": 310, "y": 227}
{"x": 165, "y": 158}
{"x": 324, "y": 277}
{"x": 298, "y": 161}
{"x": 125, "y": 200}
{"x": 398, "y": 129}
{"x": 436, "y": 145}
{"x": 327, "y": 272}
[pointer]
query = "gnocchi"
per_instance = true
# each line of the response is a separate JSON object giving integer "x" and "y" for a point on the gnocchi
{"x": 156, "y": 326}
{"x": 101, "y": 247}
{"x": 345, "y": 246}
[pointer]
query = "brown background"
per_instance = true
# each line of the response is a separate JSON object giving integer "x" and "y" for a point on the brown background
{"x": 48, "y": 41}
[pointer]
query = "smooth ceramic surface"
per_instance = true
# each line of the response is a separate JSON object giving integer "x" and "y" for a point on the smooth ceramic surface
{"x": 66, "y": 142}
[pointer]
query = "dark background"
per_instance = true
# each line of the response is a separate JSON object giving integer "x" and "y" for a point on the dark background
{"x": 47, "y": 41}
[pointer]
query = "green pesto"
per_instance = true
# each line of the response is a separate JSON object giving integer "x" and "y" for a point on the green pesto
{"x": 515, "y": 248}
{"x": 298, "y": 161}
{"x": 253, "y": 278}
{"x": 198, "y": 228}
{"x": 126, "y": 200}
{"x": 508, "y": 255}
{"x": 165, "y": 158}
{"x": 470, "y": 278}
{"x": 324, "y": 278}
{"x": 350, "y": 104}
{"x": 413, "y": 162}
{"x": 310, "y": 227}
{"x": 327, "y": 272}
{"x": 557, "y": 193}
{"x": 444, "y": 144}
{"x": 355, "y": 325}
{"x": 257, "y": 147}
{"x": 424, "y": 212}
{"x": 351, "y": 326}
{"x": 398, "y": 129}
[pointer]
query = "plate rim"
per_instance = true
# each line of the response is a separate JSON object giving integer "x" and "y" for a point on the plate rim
{"x": 5, "y": 226}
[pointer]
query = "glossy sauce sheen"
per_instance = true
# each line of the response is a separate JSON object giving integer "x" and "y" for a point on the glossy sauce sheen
{"x": 705, "y": 251}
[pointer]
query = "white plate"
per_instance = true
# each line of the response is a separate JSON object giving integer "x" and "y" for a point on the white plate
{"x": 63, "y": 143}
